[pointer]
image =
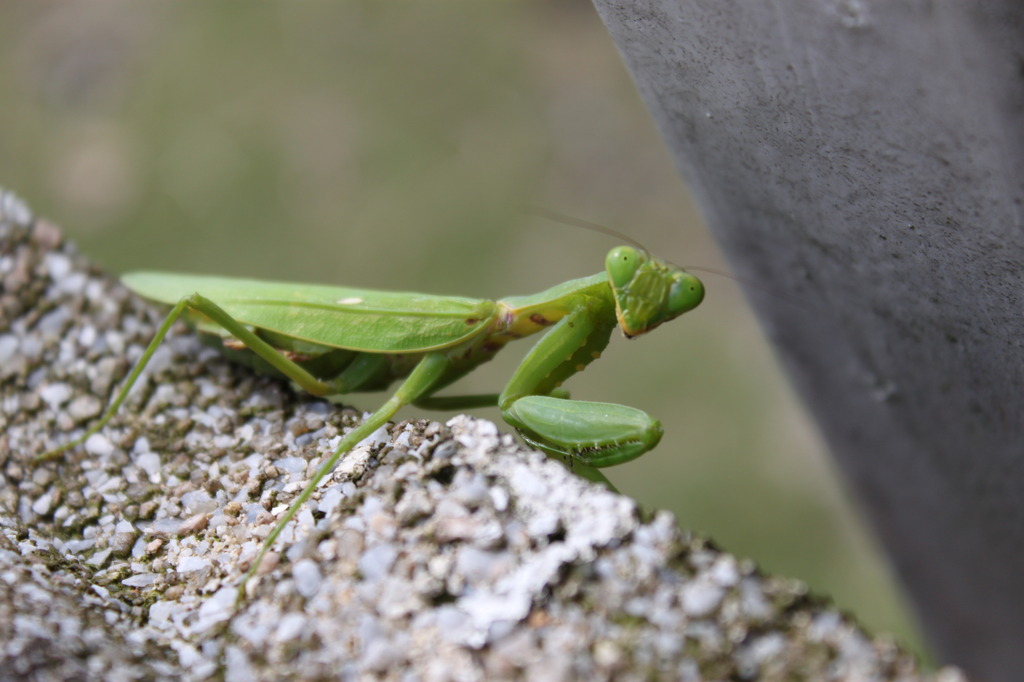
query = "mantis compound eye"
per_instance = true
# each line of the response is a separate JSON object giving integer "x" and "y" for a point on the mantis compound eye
{"x": 685, "y": 294}
{"x": 622, "y": 263}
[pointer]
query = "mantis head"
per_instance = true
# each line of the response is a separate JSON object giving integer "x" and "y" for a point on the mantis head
{"x": 648, "y": 291}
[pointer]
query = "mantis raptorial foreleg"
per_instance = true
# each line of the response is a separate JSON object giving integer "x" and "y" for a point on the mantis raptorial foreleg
{"x": 587, "y": 433}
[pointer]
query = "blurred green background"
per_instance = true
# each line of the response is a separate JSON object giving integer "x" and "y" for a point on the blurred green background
{"x": 396, "y": 146}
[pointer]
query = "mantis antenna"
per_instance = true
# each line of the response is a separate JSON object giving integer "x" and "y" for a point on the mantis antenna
{"x": 586, "y": 225}
{"x": 611, "y": 232}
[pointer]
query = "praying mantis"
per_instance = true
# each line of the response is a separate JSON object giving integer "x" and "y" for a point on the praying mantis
{"x": 337, "y": 340}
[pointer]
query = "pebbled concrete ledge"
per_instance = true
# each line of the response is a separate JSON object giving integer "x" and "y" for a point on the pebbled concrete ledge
{"x": 434, "y": 552}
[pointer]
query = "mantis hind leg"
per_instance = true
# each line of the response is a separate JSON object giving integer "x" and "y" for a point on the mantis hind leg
{"x": 420, "y": 381}
{"x": 206, "y": 307}
{"x": 158, "y": 338}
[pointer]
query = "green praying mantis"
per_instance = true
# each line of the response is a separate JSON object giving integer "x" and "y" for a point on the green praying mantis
{"x": 337, "y": 340}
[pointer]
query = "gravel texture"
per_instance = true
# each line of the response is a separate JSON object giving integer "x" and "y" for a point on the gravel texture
{"x": 434, "y": 552}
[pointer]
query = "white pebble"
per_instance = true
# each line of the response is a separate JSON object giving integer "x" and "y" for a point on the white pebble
{"x": 166, "y": 526}
{"x": 375, "y": 562}
{"x": 291, "y": 626}
{"x": 216, "y": 609}
{"x": 150, "y": 463}
{"x": 725, "y": 572}
{"x": 198, "y": 502}
{"x": 55, "y": 395}
{"x": 162, "y": 613}
{"x": 378, "y": 437}
{"x": 700, "y": 598}
{"x": 141, "y": 580}
{"x": 58, "y": 265}
{"x": 238, "y": 668}
{"x": 8, "y": 347}
{"x": 79, "y": 546}
{"x": 43, "y": 503}
{"x": 499, "y": 498}
{"x": 100, "y": 557}
{"x": 99, "y": 445}
{"x": 190, "y": 564}
{"x": 293, "y": 465}
{"x": 331, "y": 498}
{"x": 306, "y": 575}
